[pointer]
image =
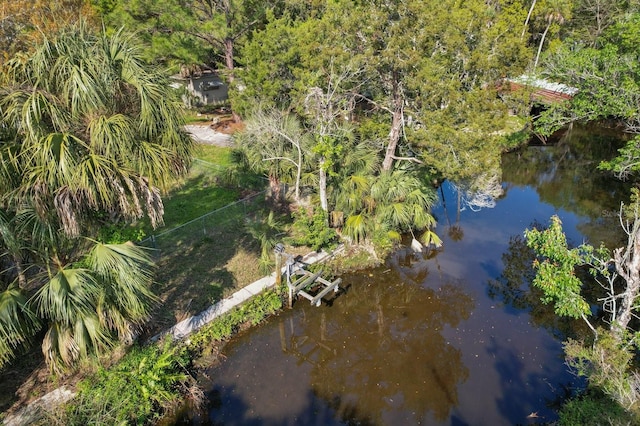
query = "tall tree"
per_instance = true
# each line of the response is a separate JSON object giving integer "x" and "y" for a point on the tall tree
{"x": 591, "y": 19}
{"x": 329, "y": 110}
{"x": 90, "y": 136}
{"x": 554, "y": 11}
{"x": 526, "y": 22}
{"x": 608, "y": 83}
{"x": 179, "y": 28}
{"x": 425, "y": 64}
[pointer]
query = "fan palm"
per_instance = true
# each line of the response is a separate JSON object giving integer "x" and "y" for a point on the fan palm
{"x": 266, "y": 232}
{"x": 392, "y": 201}
{"x": 93, "y": 129}
{"x": 90, "y": 304}
{"x": 17, "y": 322}
{"x": 88, "y": 133}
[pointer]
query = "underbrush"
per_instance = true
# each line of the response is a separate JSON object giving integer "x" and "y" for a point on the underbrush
{"x": 594, "y": 409}
{"x": 152, "y": 380}
{"x": 139, "y": 389}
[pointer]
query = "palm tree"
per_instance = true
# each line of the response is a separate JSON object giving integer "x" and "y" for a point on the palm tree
{"x": 387, "y": 203}
{"x": 92, "y": 303}
{"x": 403, "y": 202}
{"x": 93, "y": 129}
{"x": 266, "y": 232}
{"x": 555, "y": 11}
{"x": 350, "y": 190}
{"x": 88, "y": 135}
{"x": 17, "y": 322}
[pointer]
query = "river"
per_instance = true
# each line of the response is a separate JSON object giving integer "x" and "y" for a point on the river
{"x": 452, "y": 337}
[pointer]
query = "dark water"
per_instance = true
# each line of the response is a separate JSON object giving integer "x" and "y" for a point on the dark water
{"x": 453, "y": 338}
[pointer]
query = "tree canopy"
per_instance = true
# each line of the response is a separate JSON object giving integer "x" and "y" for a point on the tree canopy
{"x": 90, "y": 136}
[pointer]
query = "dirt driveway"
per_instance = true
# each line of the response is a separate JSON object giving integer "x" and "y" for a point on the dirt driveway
{"x": 206, "y": 135}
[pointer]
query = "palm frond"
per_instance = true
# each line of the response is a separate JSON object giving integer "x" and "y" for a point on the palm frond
{"x": 68, "y": 294}
{"x": 17, "y": 322}
{"x": 355, "y": 227}
{"x": 429, "y": 237}
{"x": 125, "y": 273}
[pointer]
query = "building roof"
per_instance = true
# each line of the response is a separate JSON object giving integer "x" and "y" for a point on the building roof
{"x": 541, "y": 83}
{"x": 543, "y": 90}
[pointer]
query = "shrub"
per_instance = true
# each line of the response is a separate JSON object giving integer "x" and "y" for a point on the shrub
{"x": 252, "y": 312}
{"x": 608, "y": 365}
{"x": 593, "y": 409}
{"x": 137, "y": 390}
{"x": 119, "y": 234}
{"x": 312, "y": 230}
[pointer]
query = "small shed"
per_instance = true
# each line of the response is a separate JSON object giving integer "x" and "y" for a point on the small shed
{"x": 542, "y": 90}
{"x": 205, "y": 87}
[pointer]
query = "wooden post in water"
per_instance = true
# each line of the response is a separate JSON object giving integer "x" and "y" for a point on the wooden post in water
{"x": 290, "y": 297}
{"x": 278, "y": 250}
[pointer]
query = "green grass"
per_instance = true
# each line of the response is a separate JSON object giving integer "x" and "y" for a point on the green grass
{"x": 217, "y": 155}
{"x": 201, "y": 191}
{"x": 203, "y": 261}
{"x": 196, "y": 199}
{"x": 192, "y": 117}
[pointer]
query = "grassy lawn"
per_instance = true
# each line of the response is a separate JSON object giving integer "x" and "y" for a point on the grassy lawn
{"x": 220, "y": 156}
{"x": 208, "y": 259}
{"x": 201, "y": 191}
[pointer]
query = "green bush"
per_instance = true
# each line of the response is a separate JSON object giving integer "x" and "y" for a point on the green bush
{"x": 312, "y": 230}
{"x": 594, "y": 409}
{"x": 252, "y": 312}
{"x": 119, "y": 234}
{"x": 136, "y": 390}
{"x": 608, "y": 365}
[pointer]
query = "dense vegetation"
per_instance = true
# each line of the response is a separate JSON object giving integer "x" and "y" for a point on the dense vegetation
{"x": 361, "y": 106}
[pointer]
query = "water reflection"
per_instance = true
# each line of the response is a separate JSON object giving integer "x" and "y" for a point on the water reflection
{"x": 377, "y": 356}
{"x": 513, "y": 289}
{"x": 453, "y": 337}
{"x": 387, "y": 354}
{"x": 566, "y": 176}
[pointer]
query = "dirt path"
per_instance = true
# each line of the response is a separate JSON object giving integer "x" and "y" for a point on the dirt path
{"x": 206, "y": 135}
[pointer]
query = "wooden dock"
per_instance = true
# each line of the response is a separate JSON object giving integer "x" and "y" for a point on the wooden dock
{"x": 307, "y": 281}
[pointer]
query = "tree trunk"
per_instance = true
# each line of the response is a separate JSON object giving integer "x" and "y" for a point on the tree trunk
{"x": 323, "y": 187}
{"x": 459, "y": 205}
{"x": 298, "y": 172}
{"x": 544, "y": 35}
{"x": 526, "y": 22}
{"x": 274, "y": 186}
{"x": 228, "y": 60}
{"x": 394, "y": 134}
{"x": 627, "y": 263}
{"x": 22, "y": 278}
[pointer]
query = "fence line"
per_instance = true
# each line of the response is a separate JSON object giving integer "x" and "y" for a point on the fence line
{"x": 244, "y": 201}
{"x": 209, "y": 164}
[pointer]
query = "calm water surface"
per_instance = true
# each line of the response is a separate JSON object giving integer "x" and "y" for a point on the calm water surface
{"x": 453, "y": 338}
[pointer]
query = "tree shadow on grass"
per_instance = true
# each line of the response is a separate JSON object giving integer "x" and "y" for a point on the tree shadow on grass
{"x": 22, "y": 380}
{"x": 194, "y": 276}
